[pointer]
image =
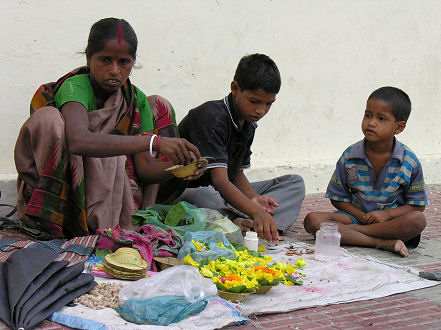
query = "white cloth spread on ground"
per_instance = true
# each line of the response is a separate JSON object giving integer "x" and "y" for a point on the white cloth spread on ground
{"x": 350, "y": 278}
{"x": 216, "y": 314}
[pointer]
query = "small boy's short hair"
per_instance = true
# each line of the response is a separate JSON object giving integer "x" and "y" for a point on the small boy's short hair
{"x": 258, "y": 71}
{"x": 399, "y": 100}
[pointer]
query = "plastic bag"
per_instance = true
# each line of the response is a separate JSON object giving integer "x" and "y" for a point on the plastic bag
{"x": 162, "y": 310}
{"x": 179, "y": 280}
{"x": 212, "y": 238}
{"x": 216, "y": 221}
{"x": 195, "y": 218}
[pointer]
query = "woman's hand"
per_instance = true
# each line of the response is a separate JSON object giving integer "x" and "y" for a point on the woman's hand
{"x": 180, "y": 151}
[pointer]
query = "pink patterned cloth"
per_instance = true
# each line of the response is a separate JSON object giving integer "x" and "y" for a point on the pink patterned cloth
{"x": 151, "y": 241}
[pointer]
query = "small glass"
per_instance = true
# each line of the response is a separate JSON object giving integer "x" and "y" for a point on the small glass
{"x": 327, "y": 242}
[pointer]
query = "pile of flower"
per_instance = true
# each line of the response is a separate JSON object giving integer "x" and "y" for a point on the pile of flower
{"x": 247, "y": 271}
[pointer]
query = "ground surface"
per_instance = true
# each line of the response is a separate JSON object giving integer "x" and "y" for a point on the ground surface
{"x": 420, "y": 309}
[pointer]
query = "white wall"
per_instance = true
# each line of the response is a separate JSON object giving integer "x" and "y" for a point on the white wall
{"x": 331, "y": 54}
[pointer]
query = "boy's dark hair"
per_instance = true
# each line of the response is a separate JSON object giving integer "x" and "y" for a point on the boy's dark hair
{"x": 258, "y": 71}
{"x": 400, "y": 101}
{"x": 111, "y": 28}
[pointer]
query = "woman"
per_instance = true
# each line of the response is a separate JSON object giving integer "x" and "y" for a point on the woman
{"x": 86, "y": 156}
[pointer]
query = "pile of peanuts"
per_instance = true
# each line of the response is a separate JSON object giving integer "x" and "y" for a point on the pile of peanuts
{"x": 103, "y": 295}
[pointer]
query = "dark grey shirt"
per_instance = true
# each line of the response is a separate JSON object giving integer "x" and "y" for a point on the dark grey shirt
{"x": 213, "y": 128}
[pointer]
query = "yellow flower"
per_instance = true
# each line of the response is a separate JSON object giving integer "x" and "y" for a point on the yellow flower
{"x": 261, "y": 248}
{"x": 286, "y": 282}
{"x": 210, "y": 266}
{"x": 300, "y": 262}
{"x": 290, "y": 269}
{"x": 282, "y": 266}
{"x": 268, "y": 258}
{"x": 197, "y": 245}
{"x": 222, "y": 267}
{"x": 221, "y": 245}
{"x": 189, "y": 260}
{"x": 250, "y": 283}
{"x": 268, "y": 277}
{"x": 205, "y": 272}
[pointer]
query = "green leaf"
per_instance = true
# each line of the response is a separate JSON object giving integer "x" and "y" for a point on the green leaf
{"x": 292, "y": 279}
{"x": 175, "y": 215}
{"x": 237, "y": 289}
{"x": 102, "y": 253}
{"x": 264, "y": 281}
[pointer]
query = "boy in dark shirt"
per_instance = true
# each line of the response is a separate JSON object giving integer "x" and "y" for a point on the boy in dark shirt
{"x": 378, "y": 184}
{"x": 224, "y": 129}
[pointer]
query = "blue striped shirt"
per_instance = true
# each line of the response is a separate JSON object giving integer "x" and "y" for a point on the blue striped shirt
{"x": 401, "y": 181}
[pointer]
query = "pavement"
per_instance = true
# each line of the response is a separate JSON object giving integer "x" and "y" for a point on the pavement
{"x": 419, "y": 309}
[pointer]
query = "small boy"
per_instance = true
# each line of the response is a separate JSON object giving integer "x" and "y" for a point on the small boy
{"x": 378, "y": 185}
{"x": 224, "y": 129}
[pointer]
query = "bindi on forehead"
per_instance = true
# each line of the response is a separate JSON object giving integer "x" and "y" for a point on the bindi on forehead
{"x": 119, "y": 33}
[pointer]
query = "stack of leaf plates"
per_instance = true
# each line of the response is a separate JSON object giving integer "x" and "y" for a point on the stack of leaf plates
{"x": 125, "y": 263}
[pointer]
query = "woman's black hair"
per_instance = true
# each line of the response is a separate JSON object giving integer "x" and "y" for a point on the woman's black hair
{"x": 111, "y": 28}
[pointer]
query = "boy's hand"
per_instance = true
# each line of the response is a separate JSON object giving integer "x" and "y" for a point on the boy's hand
{"x": 202, "y": 167}
{"x": 266, "y": 202}
{"x": 265, "y": 226}
{"x": 244, "y": 224}
{"x": 377, "y": 216}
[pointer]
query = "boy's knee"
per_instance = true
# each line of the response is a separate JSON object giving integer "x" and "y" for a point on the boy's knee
{"x": 312, "y": 222}
{"x": 295, "y": 180}
{"x": 418, "y": 220}
{"x": 415, "y": 222}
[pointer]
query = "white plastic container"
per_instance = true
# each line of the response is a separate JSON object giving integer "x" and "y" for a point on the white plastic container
{"x": 327, "y": 242}
{"x": 251, "y": 241}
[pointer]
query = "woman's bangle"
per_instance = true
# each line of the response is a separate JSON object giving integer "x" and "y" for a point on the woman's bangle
{"x": 152, "y": 153}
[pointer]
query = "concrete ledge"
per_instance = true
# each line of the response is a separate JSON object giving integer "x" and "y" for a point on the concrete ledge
{"x": 316, "y": 176}
{"x": 8, "y": 188}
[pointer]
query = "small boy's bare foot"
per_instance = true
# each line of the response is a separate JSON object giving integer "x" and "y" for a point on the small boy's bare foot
{"x": 244, "y": 224}
{"x": 396, "y": 246}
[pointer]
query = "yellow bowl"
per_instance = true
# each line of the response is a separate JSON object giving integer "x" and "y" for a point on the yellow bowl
{"x": 181, "y": 171}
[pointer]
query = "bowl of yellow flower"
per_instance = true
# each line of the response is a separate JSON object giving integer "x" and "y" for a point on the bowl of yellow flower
{"x": 234, "y": 287}
{"x": 267, "y": 277}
